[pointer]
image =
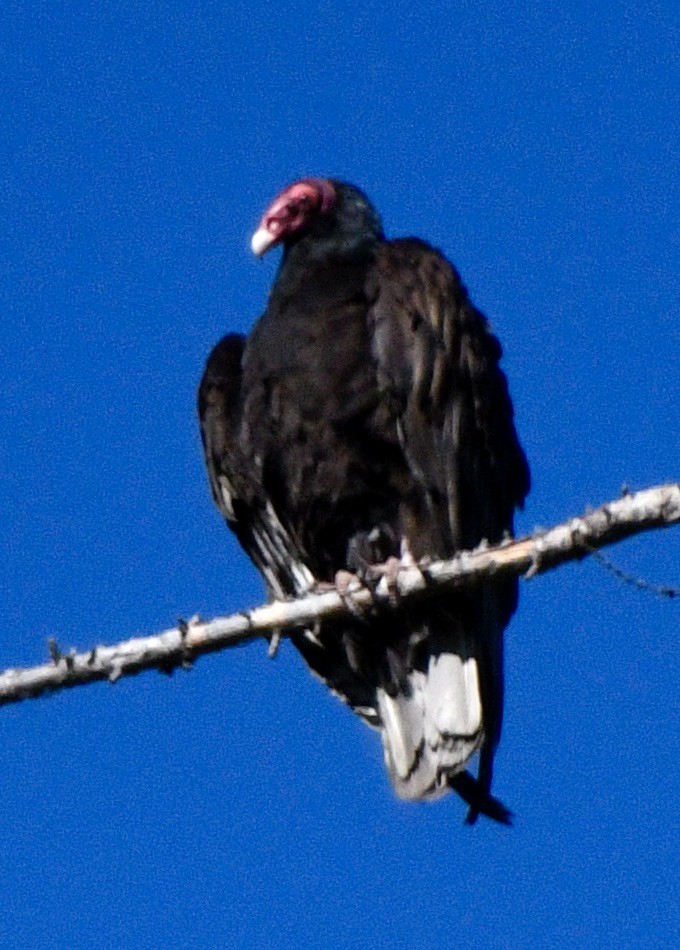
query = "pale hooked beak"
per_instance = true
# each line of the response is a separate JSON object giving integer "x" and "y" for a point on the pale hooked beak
{"x": 262, "y": 240}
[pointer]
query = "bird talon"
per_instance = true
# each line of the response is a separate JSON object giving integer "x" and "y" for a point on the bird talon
{"x": 388, "y": 573}
{"x": 347, "y": 585}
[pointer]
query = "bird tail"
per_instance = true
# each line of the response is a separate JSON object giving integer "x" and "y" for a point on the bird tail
{"x": 432, "y": 722}
{"x": 432, "y": 725}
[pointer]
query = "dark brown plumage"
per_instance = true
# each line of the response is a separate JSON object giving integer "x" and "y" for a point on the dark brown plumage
{"x": 364, "y": 417}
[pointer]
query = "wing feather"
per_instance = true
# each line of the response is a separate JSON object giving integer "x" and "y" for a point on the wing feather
{"x": 234, "y": 480}
{"x": 438, "y": 362}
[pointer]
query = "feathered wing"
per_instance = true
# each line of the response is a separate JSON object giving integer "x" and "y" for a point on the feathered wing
{"x": 234, "y": 479}
{"x": 438, "y": 367}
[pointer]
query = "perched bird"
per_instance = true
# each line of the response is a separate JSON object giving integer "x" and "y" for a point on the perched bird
{"x": 365, "y": 418}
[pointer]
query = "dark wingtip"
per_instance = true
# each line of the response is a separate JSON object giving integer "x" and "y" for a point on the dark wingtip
{"x": 480, "y": 802}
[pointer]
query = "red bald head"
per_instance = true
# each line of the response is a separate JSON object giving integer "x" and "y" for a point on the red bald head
{"x": 291, "y": 211}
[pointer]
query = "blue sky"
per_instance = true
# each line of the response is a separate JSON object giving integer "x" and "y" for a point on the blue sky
{"x": 239, "y": 805}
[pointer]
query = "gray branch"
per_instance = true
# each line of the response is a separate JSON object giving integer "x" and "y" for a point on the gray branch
{"x": 575, "y": 539}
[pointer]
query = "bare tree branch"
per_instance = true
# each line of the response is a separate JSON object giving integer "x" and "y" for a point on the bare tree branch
{"x": 633, "y": 513}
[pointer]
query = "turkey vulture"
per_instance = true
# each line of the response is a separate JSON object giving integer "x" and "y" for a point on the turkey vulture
{"x": 365, "y": 418}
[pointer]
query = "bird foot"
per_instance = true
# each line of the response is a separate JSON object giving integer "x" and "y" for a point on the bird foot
{"x": 388, "y": 573}
{"x": 348, "y": 585}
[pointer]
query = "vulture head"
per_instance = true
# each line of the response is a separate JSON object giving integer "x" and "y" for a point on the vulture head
{"x": 321, "y": 209}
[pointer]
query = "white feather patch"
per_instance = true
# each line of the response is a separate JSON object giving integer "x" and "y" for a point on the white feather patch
{"x": 400, "y": 743}
{"x": 452, "y": 697}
